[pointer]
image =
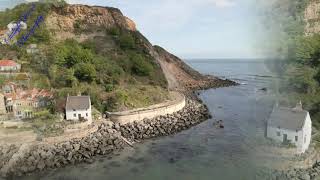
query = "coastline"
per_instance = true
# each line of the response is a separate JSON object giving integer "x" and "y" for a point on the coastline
{"x": 109, "y": 137}
{"x": 28, "y": 158}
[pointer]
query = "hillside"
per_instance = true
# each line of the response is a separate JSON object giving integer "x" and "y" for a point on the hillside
{"x": 296, "y": 26}
{"x": 98, "y": 51}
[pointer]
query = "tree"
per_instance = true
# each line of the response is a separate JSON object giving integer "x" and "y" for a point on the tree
{"x": 85, "y": 72}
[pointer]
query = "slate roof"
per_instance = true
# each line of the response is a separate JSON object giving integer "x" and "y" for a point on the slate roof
{"x": 287, "y": 118}
{"x": 78, "y": 103}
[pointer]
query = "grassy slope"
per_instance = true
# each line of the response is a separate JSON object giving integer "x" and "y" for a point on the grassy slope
{"x": 115, "y": 69}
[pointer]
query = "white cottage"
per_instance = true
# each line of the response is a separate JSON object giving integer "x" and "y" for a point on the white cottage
{"x": 291, "y": 125}
{"x": 78, "y": 107}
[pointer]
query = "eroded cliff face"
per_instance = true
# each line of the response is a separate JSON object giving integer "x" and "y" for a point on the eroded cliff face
{"x": 81, "y": 22}
{"x": 63, "y": 22}
{"x": 312, "y": 17}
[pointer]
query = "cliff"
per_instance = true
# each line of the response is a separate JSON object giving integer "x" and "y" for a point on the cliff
{"x": 62, "y": 20}
{"x": 312, "y": 17}
{"x": 93, "y": 20}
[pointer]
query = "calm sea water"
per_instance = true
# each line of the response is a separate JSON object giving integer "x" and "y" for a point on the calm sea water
{"x": 202, "y": 152}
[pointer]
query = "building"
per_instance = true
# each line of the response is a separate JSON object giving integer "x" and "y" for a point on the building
{"x": 78, "y": 108}
{"x": 9, "y": 65}
{"x": 290, "y": 125}
{"x": 23, "y": 103}
{"x": 32, "y": 49}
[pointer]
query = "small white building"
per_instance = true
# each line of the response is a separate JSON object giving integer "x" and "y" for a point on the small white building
{"x": 78, "y": 108}
{"x": 290, "y": 125}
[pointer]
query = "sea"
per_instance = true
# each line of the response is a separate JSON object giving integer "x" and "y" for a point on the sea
{"x": 202, "y": 152}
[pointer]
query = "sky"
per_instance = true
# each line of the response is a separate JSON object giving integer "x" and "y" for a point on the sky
{"x": 190, "y": 28}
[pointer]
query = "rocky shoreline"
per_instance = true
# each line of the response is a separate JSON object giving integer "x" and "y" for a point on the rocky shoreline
{"x": 301, "y": 174}
{"x": 28, "y": 158}
{"x": 292, "y": 174}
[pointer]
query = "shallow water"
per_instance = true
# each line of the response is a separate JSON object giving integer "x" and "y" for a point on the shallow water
{"x": 202, "y": 152}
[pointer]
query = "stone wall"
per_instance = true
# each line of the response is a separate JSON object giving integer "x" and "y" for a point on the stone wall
{"x": 193, "y": 113}
{"x": 126, "y": 117}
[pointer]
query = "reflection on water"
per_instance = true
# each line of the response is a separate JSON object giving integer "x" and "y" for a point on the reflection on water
{"x": 202, "y": 152}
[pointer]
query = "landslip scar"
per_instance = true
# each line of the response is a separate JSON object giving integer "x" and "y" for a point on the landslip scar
{"x": 23, "y": 18}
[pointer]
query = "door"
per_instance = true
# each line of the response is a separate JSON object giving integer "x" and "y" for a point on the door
{"x": 79, "y": 116}
{"x": 285, "y": 138}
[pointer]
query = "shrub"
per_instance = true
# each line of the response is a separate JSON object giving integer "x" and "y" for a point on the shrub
{"x": 140, "y": 66}
{"x": 85, "y": 72}
{"x": 126, "y": 41}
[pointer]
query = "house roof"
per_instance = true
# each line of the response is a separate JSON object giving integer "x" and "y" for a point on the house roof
{"x": 30, "y": 94}
{"x": 78, "y": 102}
{"x": 7, "y": 63}
{"x": 287, "y": 118}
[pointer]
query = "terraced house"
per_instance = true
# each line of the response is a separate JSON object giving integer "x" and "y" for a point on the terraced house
{"x": 22, "y": 104}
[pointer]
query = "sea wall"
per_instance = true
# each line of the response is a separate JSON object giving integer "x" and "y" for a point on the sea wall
{"x": 193, "y": 113}
{"x": 18, "y": 160}
{"x": 173, "y": 106}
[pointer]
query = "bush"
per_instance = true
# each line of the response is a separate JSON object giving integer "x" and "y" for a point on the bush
{"x": 109, "y": 87}
{"x": 85, "y": 72}
{"x": 140, "y": 66}
{"x": 126, "y": 41}
{"x": 114, "y": 31}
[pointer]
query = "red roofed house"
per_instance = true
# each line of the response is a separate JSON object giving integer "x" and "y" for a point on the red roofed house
{"x": 9, "y": 65}
{"x": 22, "y": 103}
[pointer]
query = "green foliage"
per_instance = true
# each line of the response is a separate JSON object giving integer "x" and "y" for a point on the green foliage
{"x": 85, "y": 72}
{"x": 102, "y": 67}
{"x": 307, "y": 50}
{"x": 70, "y": 53}
{"x": 114, "y": 31}
{"x": 126, "y": 41}
{"x": 302, "y": 81}
{"x": 140, "y": 65}
{"x": 109, "y": 87}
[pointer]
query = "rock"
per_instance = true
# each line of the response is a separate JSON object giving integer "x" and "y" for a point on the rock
{"x": 263, "y": 89}
{"x": 305, "y": 177}
{"x": 76, "y": 147}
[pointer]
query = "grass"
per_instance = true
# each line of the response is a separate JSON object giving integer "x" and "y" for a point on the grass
{"x": 138, "y": 96}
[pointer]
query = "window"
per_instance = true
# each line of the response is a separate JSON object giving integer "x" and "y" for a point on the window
{"x": 278, "y": 133}
{"x": 74, "y": 115}
{"x": 296, "y": 138}
{"x": 87, "y": 114}
{"x": 19, "y": 112}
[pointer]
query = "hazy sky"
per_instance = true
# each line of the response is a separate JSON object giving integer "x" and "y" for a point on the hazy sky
{"x": 190, "y": 28}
